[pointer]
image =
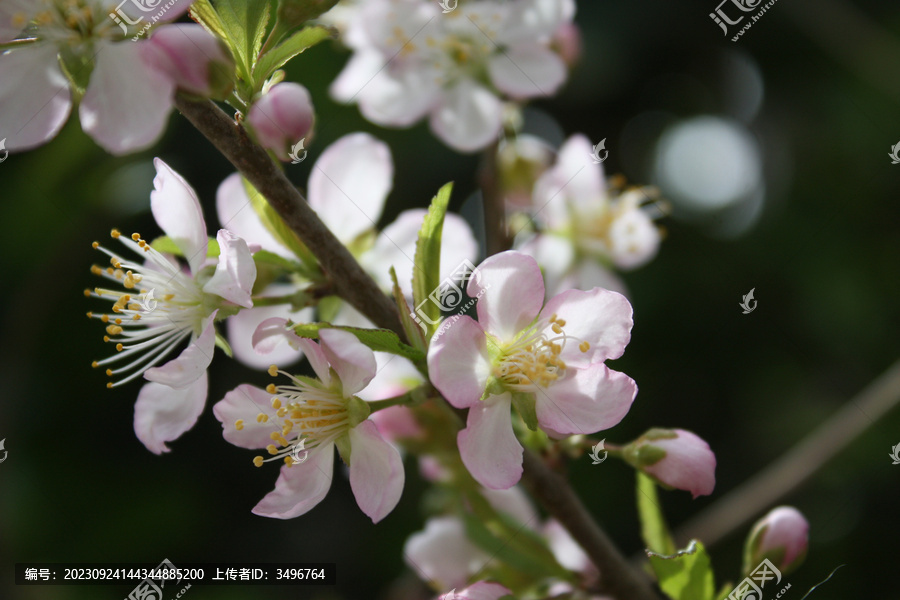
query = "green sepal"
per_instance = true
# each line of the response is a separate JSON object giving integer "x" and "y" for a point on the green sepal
{"x": 686, "y": 574}
{"x": 223, "y": 344}
{"x": 379, "y": 340}
{"x": 427, "y": 260}
{"x": 654, "y": 529}
{"x": 525, "y": 403}
{"x": 343, "y": 446}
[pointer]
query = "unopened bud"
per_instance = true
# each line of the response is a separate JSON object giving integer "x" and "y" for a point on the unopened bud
{"x": 282, "y": 117}
{"x": 675, "y": 458}
{"x": 782, "y": 536}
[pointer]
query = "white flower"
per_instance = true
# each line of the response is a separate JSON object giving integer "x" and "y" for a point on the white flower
{"x": 411, "y": 61}
{"x": 162, "y": 306}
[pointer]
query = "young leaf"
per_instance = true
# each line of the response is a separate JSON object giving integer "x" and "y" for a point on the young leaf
{"x": 412, "y": 329}
{"x": 653, "y": 524}
{"x": 244, "y": 23}
{"x": 685, "y": 575}
{"x": 427, "y": 261}
{"x": 380, "y": 340}
{"x": 278, "y": 56}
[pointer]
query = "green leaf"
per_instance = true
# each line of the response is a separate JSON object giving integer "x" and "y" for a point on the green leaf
{"x": 203, "y": 12}
{"x": 412, "y": 329}
{"x": 165, "y": 245}
{"x": 278, "y": 56}
{"x": 685, "y": 575}
{"x": 380, "y": 340}
{"x": 273, "y": 222}
{"x": 244, "y": 24}
{"x": 427, "y": 262}
{"x": 276, "y": 260}
{"x": 653, "y": 524}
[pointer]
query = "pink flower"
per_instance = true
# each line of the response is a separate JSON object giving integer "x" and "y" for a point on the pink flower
{"x": 782, "y": 536}
{"x": 163, "y": 306}
{"x": 676, "y": 458}
{"x": 126, "y": 99}
{"x": 481, "y": 590}
{"x": 321, "y": 413}
{"x": 282, "y": 117}
{"x": 549, "y": 359}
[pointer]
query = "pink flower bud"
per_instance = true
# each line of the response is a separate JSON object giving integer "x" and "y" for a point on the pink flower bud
{"x": 567, "y": 43}
{"x": 782, "y": 536}
{"x": 282, "y": 118}
{"x": 192, "y": 58}
{"x": 675, "y": 458}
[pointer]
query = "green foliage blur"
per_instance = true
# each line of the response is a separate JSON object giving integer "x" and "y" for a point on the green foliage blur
{"x": 823, "y": 258}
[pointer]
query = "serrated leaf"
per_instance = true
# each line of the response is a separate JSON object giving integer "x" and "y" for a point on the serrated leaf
{"x": 414, "y": 332}
{"x": 427, "y": 261}
{"x": 203, "y": 12}
{"x": 244, "y": 23}
{"x": 653, "y": 524}
{"x": 379, "y": 340}
{"x": 165, "y": 245}
{"x": 278, "y": 56}
{"x": 274, "y": 224}
{"x": 685, "y": 575}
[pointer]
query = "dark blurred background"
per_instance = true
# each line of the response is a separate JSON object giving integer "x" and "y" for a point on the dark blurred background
{"x": 772, "y": 152}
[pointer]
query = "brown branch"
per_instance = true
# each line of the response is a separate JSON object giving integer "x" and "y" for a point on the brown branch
{"x": 495, "y": 230}
{"x": 350, "y": 281}
{"x": 795, "y": 467}
{"x": 618, "y": 577}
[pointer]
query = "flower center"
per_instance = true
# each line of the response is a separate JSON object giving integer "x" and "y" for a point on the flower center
{"x": 159, "y": 307}
{"x": 72, "y": 21}
{"x": 533, "y": 360}
{"x": 306, "y": 412}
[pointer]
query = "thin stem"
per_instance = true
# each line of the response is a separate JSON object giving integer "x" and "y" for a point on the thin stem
{"x": 495, "y": 231}
{"x": 350, "y": 281}
{"x": 618, "y": 577}
{"x": 796, "y": 466}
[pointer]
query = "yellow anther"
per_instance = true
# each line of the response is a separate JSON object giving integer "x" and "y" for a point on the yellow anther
{"x": 114, "y": 330}
{"x": 289, "y": 461}
{"x": 90, "y": 315}
{"x": 273, "y": 370}
{"x": 271, "y": 449}
{"x": 556, "y": 328}
{"x": 239, "y": 424}
{"x": 276, "y": 403}
{"x": 282, "y": 411}
{"x": 115, "y": 234}
{"x": 109, "y": 373}
{"x": 106, "y": 338}
{"x": 95, "y": 245}
{"x": 109, "y": 385}
{"x": 258, "y": 461}
{"x": 96, "y": 270}
{"x": 584, "y": 346}
{"x": 136, "y": 318}
{"x": 262, "y": 418}
{"x": 286, "y": 429}
{"x": 168, "y": 297}
{"x": 135, "y": 236}
{"x": 87, "y": 293}
{"x": 95, "y": 364}
{"x": 119, "y": 347}
{"x": 274, "y": 435}
{"x": 118, "y": 321}
{"x": 561, "y": 322}
{"x": 104, "y": 318}
{"x": 271, "y": 388}
{"x": 283, "y": 441}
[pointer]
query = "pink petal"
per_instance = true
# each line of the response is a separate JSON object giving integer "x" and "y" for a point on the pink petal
{"x": 191, "y": 364}
{"x": 127, "y": 102}
{"x": 689, "y": 464}
{"x": 458, "y": 362}
{"x": 397, "y": 422}
{"x": 177, "y": 211}
{"x": 36, "y": 106}
{"x": 237, "y": 215}
{"x": 586, "y": 400}
{"x": 574, "y": 182}
{"x": 244, "y": 403}
{"x": 362, "y": 67}
{"x": 488, "y": 446}
{"x": 272, "y": 350}
{"x": 600, "y": 317}
{"x": 526, "y": 71}
{"x": 376, "y": 471}
{"x": 162, "y": 414}
{"x": 299, "y": 487}
{"x": 565, "y": 549}
{"x": 353, "y": 361}
{"x": 513, "y": 293}
{"x": 349, "y": 184}
{"x": 469, "y": 118}
{"x": 443, "y": 554}
{"x": 396, "y": 375}
{"x": 190, "y": 56}
{"x": 282, "y": 117}
{"x": 235, "y": 271}
{"x": 481, "y": 590}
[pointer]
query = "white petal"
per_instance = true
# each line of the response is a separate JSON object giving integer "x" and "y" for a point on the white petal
{"x": 162, "y": 414}
{"x": 469, "y": 117}
{"x": 527, "y": 71}
{"x": 177, "y": 211}
{"x": 376, "y": 471}
{"x": 349, "y": 184}
{"x": 244, "y": 403}
{"x": 442, "y": 553}
{"x": 127, "y": 102}
{"x": 236, "y": 214}
{"x": 235, "y": 271}
{"x": 34, "y": 97}
{"x": 300, "y": 487}
{"x": 191, "y": 364}
{"x": 401, "y": 99}
{"x": 359, "y": 70}
{"x": 243, "y": 325}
